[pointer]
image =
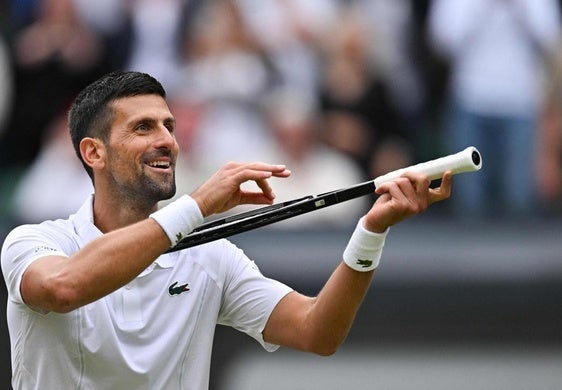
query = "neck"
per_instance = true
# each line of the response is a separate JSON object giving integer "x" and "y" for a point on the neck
{"x": 112, "y": 212}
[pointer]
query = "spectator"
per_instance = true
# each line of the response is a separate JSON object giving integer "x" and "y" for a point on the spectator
{"x": 61, "y": 178}
{"x": 54, "y": 57}
{"x": 155, "y": 39}
{"x": 359, "y": 117}
{"x": 289, "y": 31}
{"x": 224, "y": 79}
{"x": 497, "y": 50}
{"x": 390, "y": 39}
{"x": 316, "y": 168}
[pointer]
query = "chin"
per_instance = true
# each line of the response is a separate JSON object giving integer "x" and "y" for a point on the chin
{"x": 169, "y": 195}
{"x": 167, "y": 192}
{"x": 159, "y": 191}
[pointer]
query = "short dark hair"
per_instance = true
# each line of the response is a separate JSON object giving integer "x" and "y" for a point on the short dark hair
{"x": 91, "y": 114}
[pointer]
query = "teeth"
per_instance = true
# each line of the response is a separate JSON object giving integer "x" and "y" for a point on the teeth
{"x": 159, "y": 164}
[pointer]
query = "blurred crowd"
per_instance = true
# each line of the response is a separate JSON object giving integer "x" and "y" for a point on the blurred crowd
{"x": 339, "y": 90}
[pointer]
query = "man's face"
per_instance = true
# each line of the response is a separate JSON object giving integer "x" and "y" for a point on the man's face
{"x": 142, "y": 149}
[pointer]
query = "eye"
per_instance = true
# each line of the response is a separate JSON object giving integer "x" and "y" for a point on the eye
{"x": 171, "y": 126}
{"x": 142, "y": 127}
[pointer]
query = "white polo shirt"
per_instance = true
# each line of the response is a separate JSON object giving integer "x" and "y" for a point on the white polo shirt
{"x": 154, "y": 333}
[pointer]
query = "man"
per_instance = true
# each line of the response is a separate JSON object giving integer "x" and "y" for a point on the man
{"x": 95, "y": 304}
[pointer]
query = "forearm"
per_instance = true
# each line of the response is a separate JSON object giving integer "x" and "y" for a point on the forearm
{"x": 322, "y": 323}
{"x": 335, "y": 308}
{"x": 62, "y": 284}
{"x": 319, "y": 324}
{"x": 118, "y": 257}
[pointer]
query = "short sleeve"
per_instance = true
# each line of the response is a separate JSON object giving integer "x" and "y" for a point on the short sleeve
{"x": 22, "y": 246}
{"x": 249, "y": 297}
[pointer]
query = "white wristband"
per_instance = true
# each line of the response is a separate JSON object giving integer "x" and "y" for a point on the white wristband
{"x": 179, "y": 218}
{"x": 364, "y": 248}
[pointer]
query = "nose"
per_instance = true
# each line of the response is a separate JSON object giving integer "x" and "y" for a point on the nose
{"x": 166, "y": 138}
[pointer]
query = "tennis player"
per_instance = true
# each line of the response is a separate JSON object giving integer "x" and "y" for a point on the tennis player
{"x": 95, "y": 304}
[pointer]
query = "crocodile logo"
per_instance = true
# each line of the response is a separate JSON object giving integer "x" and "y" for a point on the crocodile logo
{"x": 364, "y": 263}
{"x": 177, "y": 290}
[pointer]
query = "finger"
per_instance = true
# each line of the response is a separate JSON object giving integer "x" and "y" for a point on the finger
{"x": 421, "y": 185}
{"x": 398, "y": 190}
{"x": 420, "y": 181}
{"x": 266, "y": 189}
{"x": 243, "y": 175}
{"x": 401, "y": 188}
{"x": 249, "y": 197}
{"x": 412, "y": 195}
{"x": 444, "y": 190}
{"x": 242, "y": 172}
{"x": 416, "y": 191}
{"x": 260, "y": 172}
{"x": 278, "y": 170}
{"x": 282, "y": 173}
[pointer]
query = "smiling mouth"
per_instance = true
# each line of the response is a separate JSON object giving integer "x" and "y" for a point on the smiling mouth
{"x": 163, "y": 165}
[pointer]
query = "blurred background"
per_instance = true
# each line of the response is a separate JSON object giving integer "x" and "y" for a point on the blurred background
{"x": 468, "y": 296}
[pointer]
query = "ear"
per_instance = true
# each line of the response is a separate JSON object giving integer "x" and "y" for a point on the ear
{"x": 93, "y": 152}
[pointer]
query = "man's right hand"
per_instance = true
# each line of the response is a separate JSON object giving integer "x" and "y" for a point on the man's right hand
{"x": 222, "y": 191}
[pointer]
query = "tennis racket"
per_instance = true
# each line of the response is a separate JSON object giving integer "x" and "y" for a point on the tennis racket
{"x": 467, "y": 160}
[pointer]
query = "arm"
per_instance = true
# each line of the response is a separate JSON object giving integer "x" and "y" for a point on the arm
{"x": 321, "y": 324}
{"x": 62, "y": 284}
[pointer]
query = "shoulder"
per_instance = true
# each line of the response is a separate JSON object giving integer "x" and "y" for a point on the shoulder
{"x": 34, "y": 239}
{"x": 55, "y": 229}
{"x": 27, "y": 243}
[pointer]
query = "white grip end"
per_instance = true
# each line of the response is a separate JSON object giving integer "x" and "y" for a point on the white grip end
{"x": 468, "y": 160}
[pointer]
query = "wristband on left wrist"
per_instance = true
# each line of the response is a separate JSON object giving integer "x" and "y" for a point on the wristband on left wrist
{"x": 364, "y": 249}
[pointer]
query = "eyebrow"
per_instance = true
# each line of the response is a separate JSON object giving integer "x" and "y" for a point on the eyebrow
{"x": 170, "y": 121}
{"x": 152, "y": 121}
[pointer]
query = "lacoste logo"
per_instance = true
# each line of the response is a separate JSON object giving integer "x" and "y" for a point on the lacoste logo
{"x": 177, "y": 290}
{"x": 364, "y": 263}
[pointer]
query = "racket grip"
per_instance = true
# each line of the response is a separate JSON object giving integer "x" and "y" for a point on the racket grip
{"x": 467, "y": 160}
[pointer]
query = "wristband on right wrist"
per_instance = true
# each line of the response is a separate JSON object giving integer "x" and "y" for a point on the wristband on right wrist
{"x": 364, "y": 249}
{"x": 178, "y": 218}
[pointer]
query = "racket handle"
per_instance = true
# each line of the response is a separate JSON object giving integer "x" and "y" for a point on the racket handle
{"x": 468, "y": 160}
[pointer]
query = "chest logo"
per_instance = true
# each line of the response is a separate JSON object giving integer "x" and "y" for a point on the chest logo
{"x": 174, "y": 289}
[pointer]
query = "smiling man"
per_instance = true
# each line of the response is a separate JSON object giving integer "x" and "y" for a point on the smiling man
{"x": 91, "y": 296}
